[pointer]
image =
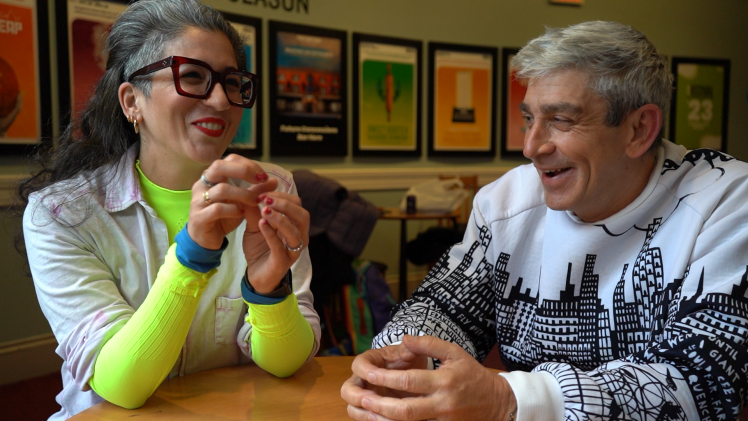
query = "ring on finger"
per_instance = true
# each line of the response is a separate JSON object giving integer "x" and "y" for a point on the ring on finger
{"x": 294, "y": 249}
{"x": 206, "y": 197}
{"x": 205, "y": 181}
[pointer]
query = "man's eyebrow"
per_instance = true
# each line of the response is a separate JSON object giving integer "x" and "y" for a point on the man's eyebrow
{"x": 523, "y": 107}
{"x": 560, "y": 107}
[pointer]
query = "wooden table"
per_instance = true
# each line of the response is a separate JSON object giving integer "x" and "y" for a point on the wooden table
{"x": 242, "y": 393}
{"x": 397, "y": 214}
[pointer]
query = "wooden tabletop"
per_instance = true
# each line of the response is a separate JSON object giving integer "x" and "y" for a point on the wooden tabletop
{"x": 242, "y": 393}
{"x": 396, "y": 213}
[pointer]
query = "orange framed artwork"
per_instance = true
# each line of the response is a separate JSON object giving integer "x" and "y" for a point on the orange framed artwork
{"x": 462, "y": 100}
{"x": 24, "y": 78}
{"x": 513, "y": 93}
{"x": 82, "y": 28}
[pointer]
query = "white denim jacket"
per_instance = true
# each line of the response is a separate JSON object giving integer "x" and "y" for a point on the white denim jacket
{"x": 93, "y": 272}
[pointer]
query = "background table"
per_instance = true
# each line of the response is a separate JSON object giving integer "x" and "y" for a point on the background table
{"x": 397, "y": 214}
{"x": 242, "y": 393}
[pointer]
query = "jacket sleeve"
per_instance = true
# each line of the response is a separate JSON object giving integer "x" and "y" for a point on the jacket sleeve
{"x": 75, "y": 288}
{"x": 456, "y": 301}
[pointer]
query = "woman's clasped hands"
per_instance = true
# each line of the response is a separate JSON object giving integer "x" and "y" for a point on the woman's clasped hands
{"x": 277, "y": 227}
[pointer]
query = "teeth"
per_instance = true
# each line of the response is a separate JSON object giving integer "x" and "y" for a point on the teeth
{"x": 553, "y": 172}
{"x": 210, "y": 126}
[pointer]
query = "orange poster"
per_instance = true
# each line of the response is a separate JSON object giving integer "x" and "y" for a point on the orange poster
{"x": 463, "y": 109}
{"x": 515, "y": 129}
{"x": 88, "y": 26}
{"x": 20, "y": 121}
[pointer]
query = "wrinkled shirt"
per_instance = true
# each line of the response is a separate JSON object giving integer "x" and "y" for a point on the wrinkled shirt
{"x": 95, "y": 246}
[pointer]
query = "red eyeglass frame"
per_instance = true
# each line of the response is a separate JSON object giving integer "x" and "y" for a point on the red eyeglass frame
{"x": 215, "y": 77}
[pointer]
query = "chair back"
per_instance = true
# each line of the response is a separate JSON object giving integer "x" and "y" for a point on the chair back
{"x": 470, "y": 182}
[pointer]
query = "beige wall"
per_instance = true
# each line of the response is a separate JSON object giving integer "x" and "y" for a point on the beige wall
{"x": 697, "y": 28}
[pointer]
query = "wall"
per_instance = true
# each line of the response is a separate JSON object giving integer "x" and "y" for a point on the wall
{"x": 696, "y": 28}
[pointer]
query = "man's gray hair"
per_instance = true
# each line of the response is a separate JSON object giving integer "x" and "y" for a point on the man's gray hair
{"x": 622, "y": 65}
{"x": 140, "y": 34}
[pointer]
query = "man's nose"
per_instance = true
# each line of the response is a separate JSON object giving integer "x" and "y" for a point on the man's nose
{"x": 536, "y": 141}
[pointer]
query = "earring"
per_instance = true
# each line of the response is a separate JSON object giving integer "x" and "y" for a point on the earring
{"x": 135, "y": 125}
{"x": 129, "y": 119}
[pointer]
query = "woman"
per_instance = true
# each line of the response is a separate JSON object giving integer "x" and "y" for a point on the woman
{"x": 132, "y": 291}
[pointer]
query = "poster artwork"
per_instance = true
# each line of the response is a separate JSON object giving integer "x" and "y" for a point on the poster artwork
{"x": 463, "y": 108}
{"x": 88, "y": 25}
{"x": 307, "y": 100}
{"x": 246, "y": 135}
{"x": 20, "y": 117}
{"x": 387, "y": 97}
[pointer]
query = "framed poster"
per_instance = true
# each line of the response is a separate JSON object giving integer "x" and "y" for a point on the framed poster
{"x": 307, "y": 91}
{"x": 82, "y": 26}
{"x": 386, "y": 96}
{"x": 698, "y": 115}
{"x": 248, "y": 139}
{"x": 513, "y": 93}
{"x": 25, "y": 108}
{"x": 462, "y": 100}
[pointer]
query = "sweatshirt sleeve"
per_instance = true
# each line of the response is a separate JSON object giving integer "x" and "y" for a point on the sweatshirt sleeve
{"x": 461, "y": 283}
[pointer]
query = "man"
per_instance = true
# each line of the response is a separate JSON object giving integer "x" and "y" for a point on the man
{"x": 611, "y": 272}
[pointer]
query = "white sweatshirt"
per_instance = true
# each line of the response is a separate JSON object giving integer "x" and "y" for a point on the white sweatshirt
{"x": 639, "y": 316}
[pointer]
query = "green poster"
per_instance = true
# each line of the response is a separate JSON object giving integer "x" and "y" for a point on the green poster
{"x": 699, "y": 105}
{"x": 387, "y": 106}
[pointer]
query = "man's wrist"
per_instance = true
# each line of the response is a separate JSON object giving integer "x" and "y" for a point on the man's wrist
{"x": 507, "y": 403}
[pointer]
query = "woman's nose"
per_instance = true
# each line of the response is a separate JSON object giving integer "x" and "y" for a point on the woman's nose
{"x": 218, "y": 98}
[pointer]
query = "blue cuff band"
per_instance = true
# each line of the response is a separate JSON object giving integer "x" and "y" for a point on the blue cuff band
{"x": 196, "y": 257}
{"x": 253, "y": 298}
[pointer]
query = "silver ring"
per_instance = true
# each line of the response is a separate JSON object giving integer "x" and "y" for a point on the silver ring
{"x": 292, "y": 249}
{"x": 206, "y": 197}
{"x": 205, "y": 181}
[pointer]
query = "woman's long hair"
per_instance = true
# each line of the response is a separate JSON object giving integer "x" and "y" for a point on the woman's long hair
{"x": 101, "y": 135}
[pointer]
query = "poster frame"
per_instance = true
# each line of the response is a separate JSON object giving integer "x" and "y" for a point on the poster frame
{"x": 63, "y": 60}
{"x": 506, "y": 52}
{"x": 725, "y": 64}
{"x": 43, "y": 85}
{"x": 337, "y": 144}
{"x": 461, "y": 48}
{"x": 358, "y": 39}
{"x": 257, "y": 24}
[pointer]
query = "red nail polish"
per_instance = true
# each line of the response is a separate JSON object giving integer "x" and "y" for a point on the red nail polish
{"x": 265, "y": 176}
{"x": 260, "y": 198}
{"x": 260, "y": 176}
{"x": 269, "y": 201}
{"x": 267, "y": 211}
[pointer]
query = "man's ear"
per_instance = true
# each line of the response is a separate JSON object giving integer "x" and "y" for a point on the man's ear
{"x": 128, "y": 94}
{"x": 646, "y": 122}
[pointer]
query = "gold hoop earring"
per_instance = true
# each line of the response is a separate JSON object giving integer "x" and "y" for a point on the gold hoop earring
{"x": 129, "y": 119}
{"x": 135, "y": 125}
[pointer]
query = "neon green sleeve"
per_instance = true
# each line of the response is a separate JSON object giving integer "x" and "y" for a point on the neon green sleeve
{"x": 137, "y": 358}
{"x": 281, "y": 337}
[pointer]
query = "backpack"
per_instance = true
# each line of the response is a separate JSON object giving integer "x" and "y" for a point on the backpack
{"x": 357, "y": 312}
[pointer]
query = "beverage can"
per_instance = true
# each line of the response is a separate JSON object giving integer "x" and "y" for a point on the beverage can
{"x": 411, "y": 204}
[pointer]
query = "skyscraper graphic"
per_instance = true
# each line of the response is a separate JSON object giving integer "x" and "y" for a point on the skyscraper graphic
{"x": 577, "y": 329}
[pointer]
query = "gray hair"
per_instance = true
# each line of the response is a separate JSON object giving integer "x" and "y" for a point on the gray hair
{"x": 622, "y": 65}
{"x": 140, "y": 33}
